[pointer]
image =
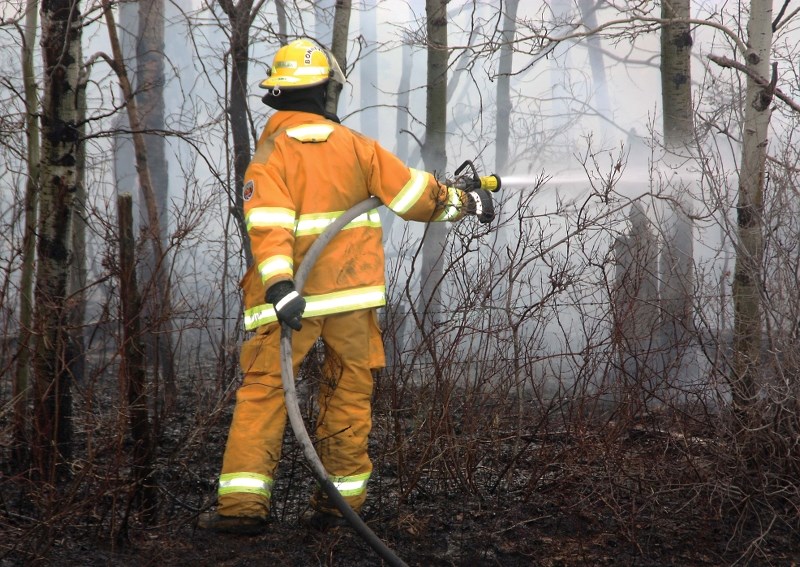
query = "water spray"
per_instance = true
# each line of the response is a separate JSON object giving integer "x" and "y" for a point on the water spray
{"x": 466, "y": 178}
{"x": 569, "y": 187}
{"x": 521, "y": 181}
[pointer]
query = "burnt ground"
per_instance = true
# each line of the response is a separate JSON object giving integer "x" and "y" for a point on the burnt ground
{"x": 636, "y": 494}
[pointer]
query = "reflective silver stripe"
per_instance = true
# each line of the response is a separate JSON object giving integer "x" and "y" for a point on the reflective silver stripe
{"x": 252, "y": 483}
{"x": 453, "y": 206}
{"x": 350, "y": 485}
{"x": 317, "y": 223}
{"x": 314, "y": 223}
{"x": 411, "y": 192}
{"x": 270, "y": 217}
{"x": 324, "y": 304}
{"x": 311, "y": 70}
{"x": 276, "y": 265}
{"x": 310, "y": 132}
{"x": 286, "y": 299}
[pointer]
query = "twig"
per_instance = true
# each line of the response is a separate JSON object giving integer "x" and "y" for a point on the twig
{"x": 522, "y": 523}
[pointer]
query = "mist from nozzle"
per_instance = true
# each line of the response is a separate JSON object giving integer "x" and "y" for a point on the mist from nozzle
{"x": 546, "y": 181}
{"x": 548, "y": 189}
{"x": 519, "y": 181}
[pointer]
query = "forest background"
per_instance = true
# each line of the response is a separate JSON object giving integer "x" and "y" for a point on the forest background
{"x": 607, "y": 374}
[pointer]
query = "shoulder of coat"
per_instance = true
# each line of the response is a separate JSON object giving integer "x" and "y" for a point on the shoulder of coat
{"x": 264, "y": 149}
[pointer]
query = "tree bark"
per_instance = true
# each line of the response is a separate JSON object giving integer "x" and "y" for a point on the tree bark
{"x": 588, "y": 9}
{"x": 150, "y": 100}
{"x": 125, "y": 178}
{"x": 240, "y": 19}
{"x": 60, "y": 43}
{"x": 677, "y": 255}
{"x": 676, "y": 74}
{"x": 747, "y": 282}
{"x": 341, "y": 28}
{"x": 76, "y": 287}
{"x": 150, "y": 104}
{"x": 21, "y": 381}
{"x": 160, "y": 278}
{"x": 635, "y": 314}
{"x": 434, "y": 153}
{"x": 133, "y": 375}
{"x": 504, "y": 84}
{"x": 280, "y": 9}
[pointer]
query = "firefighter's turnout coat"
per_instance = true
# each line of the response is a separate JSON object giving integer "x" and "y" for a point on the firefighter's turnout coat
{"x": 307, "y": 171}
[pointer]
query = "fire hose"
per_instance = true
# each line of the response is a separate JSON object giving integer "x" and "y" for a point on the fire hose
{"x": 466, "y": 182}
{"x": 290, "y": 394}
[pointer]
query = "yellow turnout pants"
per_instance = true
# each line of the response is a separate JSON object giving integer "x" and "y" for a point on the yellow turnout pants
{"x": 353, "y": 348}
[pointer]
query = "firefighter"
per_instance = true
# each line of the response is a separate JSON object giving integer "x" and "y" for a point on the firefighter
{"x": 308, "y": 169}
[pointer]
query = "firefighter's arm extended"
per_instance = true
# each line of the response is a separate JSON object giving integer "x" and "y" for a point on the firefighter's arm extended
{"x": 416, "y": 195}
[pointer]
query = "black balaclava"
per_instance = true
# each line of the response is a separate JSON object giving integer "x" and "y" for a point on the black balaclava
{"x": 309, "y": 99}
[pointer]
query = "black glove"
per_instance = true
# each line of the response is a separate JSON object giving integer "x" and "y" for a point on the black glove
{"x": 479, "y": 203}
{"x": 289, "y": 305}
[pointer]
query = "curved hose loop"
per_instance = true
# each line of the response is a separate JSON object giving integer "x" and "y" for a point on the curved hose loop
{"x": 290, "y": 394}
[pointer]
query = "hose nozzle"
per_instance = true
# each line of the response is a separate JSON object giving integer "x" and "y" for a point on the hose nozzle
{"x": 470, "y": 180}
{"x": 490, "y": 182}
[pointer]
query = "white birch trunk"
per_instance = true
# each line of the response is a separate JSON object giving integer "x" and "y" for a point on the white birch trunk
{"x": 61, "y": 37}
{"x": 747, "y": 283}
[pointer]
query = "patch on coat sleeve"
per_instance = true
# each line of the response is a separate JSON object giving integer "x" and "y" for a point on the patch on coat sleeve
{"x": 248, "y": 190}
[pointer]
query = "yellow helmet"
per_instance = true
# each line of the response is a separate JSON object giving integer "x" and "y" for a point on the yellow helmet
{"x": 300, "y": 64}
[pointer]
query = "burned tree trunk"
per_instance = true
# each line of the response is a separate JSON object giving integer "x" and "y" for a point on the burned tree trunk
{"x": 133, "y": 380}
{"x": 240, "y": 19}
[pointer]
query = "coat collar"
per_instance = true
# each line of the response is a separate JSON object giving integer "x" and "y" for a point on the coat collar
{"x": 283, "y": 119}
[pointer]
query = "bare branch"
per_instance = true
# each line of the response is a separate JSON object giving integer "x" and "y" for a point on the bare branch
{"x": 769, "y": 86}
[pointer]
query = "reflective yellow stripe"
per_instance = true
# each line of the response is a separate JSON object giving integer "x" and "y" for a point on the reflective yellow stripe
{"x": 453, "y": 206}
{"x": 252, "y": 483}
{"x": 259, "y": 217}
{"x": 310, "y": 132}
{"x": 371, "y": 218}
{"x": 317, "y": 223}
{"x": 323, "y": 304}
{"x": 276, "y": 265}
{"x": 349, "y": 300}
{"x": 350, "y": 485}
{"x": 411, "y": 192}
{"x": 314, "y": 223}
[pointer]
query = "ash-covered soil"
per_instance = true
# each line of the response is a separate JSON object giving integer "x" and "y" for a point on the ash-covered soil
{"x": 470, "y": 489}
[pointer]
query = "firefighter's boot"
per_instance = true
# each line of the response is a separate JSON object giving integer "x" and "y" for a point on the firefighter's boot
{"x": 321, "y": 521}
{"x": 242, "y": 525}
